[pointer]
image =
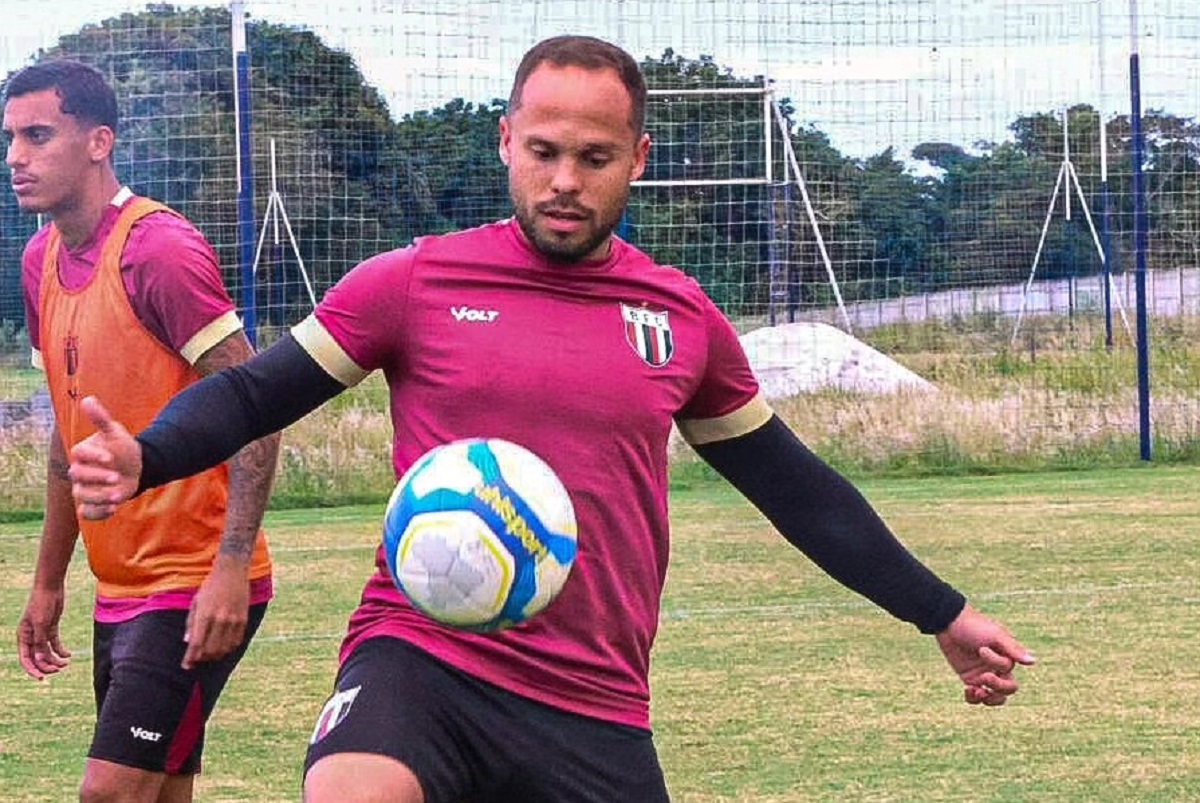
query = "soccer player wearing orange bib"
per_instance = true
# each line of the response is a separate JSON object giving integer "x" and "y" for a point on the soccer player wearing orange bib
{"x": 124, "y": 298}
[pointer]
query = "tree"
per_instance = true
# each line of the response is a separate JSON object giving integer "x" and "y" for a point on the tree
{"x": 895, "y": 213}
{"x": 356, "y": 181}
{"x": 456, "y": 179}
{"x": 720, "y": 234}
{"x": 175, "y": 87}
{"x": 988, "y": 208}
{"x": 1172, "y": 172}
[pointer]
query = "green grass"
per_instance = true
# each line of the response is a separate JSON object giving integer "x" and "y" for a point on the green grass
{"x": 772, "y": 683}
{"x": 19, "y": 383}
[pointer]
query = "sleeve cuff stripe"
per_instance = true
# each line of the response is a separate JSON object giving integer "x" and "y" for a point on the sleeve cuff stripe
{"x": 212, "y": 334}
{"x": 747, "y": 418}
{"x": 320, "y": 345}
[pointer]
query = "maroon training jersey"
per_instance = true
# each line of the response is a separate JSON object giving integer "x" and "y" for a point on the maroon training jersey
{"x": 587, "y": 365}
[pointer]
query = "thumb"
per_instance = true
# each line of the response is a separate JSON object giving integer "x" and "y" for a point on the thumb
{"x": 96, "y": 412}
{"x": 1007, "y": 651}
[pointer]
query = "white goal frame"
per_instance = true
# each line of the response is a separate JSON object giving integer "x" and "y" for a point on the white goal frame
{"x": 772, "y": 117}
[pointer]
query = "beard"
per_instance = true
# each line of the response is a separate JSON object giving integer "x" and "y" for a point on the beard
{"x": 565, "y": 249}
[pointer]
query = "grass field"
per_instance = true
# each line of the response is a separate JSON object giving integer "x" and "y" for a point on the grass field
{"x": 772, "y": 683}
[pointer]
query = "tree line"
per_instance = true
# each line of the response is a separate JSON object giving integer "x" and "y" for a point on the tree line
{"x": 355, "y": 180}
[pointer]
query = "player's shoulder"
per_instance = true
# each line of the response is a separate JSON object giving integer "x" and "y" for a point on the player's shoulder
{"x": 636, "y": 262}
{"x": 163, "y": 220}
{"x": 36, "y": 244}
{"x": 489, "y": 239}
{"x": 435, "y": 247}
{"x": 34, "y": 252}
{"x": 164, "y": 234}
{"x": 159, "y": 228}
{"x": 633, "y": 258}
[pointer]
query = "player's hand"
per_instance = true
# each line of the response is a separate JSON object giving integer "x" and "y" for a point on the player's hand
{"x": 39, "y": 648}
{"x": 984, "y": 655}
{"x": 217, "y": 620}
{"x": 105, "y": 467}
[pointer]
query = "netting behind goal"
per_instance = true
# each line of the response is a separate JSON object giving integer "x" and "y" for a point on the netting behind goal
{"x": 930, "y": 162}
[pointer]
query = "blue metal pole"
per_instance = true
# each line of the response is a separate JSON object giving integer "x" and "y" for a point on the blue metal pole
{"x": 624, "y": 227}
{"x": 1106, "y": 257}
{"x": 1140, "y": 236}
{"x": 245, "y": 170}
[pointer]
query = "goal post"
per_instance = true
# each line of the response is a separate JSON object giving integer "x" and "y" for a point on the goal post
{"x": 767, "y": 164}
{"x": 723, "y": 167}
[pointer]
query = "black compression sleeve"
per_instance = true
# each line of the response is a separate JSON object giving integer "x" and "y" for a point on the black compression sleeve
{"x": 823, "y": 515}
{"x": 208, "y": 422}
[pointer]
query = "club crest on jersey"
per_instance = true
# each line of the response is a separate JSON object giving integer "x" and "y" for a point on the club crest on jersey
{"x": 648, "y": 333}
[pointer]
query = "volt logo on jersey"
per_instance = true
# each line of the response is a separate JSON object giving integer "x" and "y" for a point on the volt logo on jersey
{"x": 465, "y": 313}
{"x": 648, "y": 333}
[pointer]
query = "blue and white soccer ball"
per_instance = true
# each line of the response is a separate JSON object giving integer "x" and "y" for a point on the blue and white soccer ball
{"x": 480, "y": 534}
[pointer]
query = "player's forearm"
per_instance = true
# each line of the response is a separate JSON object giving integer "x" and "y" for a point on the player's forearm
{"x": 210, "y": 421}
{"x": 60, "y": 528}
{"x": 824, "y": 515}
{"x": 251, "y": 475}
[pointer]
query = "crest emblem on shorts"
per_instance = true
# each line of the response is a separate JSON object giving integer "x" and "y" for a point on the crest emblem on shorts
{"x": 333, "y": 713}
{"x": 648, "y": 333}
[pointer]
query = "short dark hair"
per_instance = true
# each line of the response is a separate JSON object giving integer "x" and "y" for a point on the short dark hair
{"x": 82, "y": 90}
{"x": 589, "y": 53}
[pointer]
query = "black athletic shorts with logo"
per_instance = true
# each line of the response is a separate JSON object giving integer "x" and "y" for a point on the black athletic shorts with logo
{"x": 151, "y": 712}
{"x": 468, "y": 741}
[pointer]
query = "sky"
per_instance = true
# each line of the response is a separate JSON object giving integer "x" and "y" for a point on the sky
{"x": 869, "y": 73}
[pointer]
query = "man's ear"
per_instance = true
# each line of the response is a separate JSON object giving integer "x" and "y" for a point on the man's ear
{"x": 505, "y": 145}
{"x": 100, "y": 143}
{"x": 640, "y": 154}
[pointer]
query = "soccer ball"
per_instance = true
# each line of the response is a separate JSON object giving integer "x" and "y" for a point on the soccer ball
{"x": 480, "y": 534}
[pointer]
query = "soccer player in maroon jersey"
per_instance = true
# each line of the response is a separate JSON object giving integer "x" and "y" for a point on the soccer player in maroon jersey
{"x": 549, "y": 331}
{"x": 123, "y": 298}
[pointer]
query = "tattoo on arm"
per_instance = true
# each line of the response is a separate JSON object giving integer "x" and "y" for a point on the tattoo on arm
{"x": 251, "y": 474}
{"x": 57, "y": 461}
{"x": 251, "y": 470}
{"x": 57, "y": 464}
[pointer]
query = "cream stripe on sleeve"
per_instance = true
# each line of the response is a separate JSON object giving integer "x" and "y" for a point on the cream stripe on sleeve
{"x": 747, "y": 418}
{"x": 212, "y": 334}
{"x": 320, "y": 345}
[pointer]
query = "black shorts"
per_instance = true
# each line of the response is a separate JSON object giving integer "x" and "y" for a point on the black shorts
{"x": 151, "y": 712}
{"x": 468, "y": 741}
